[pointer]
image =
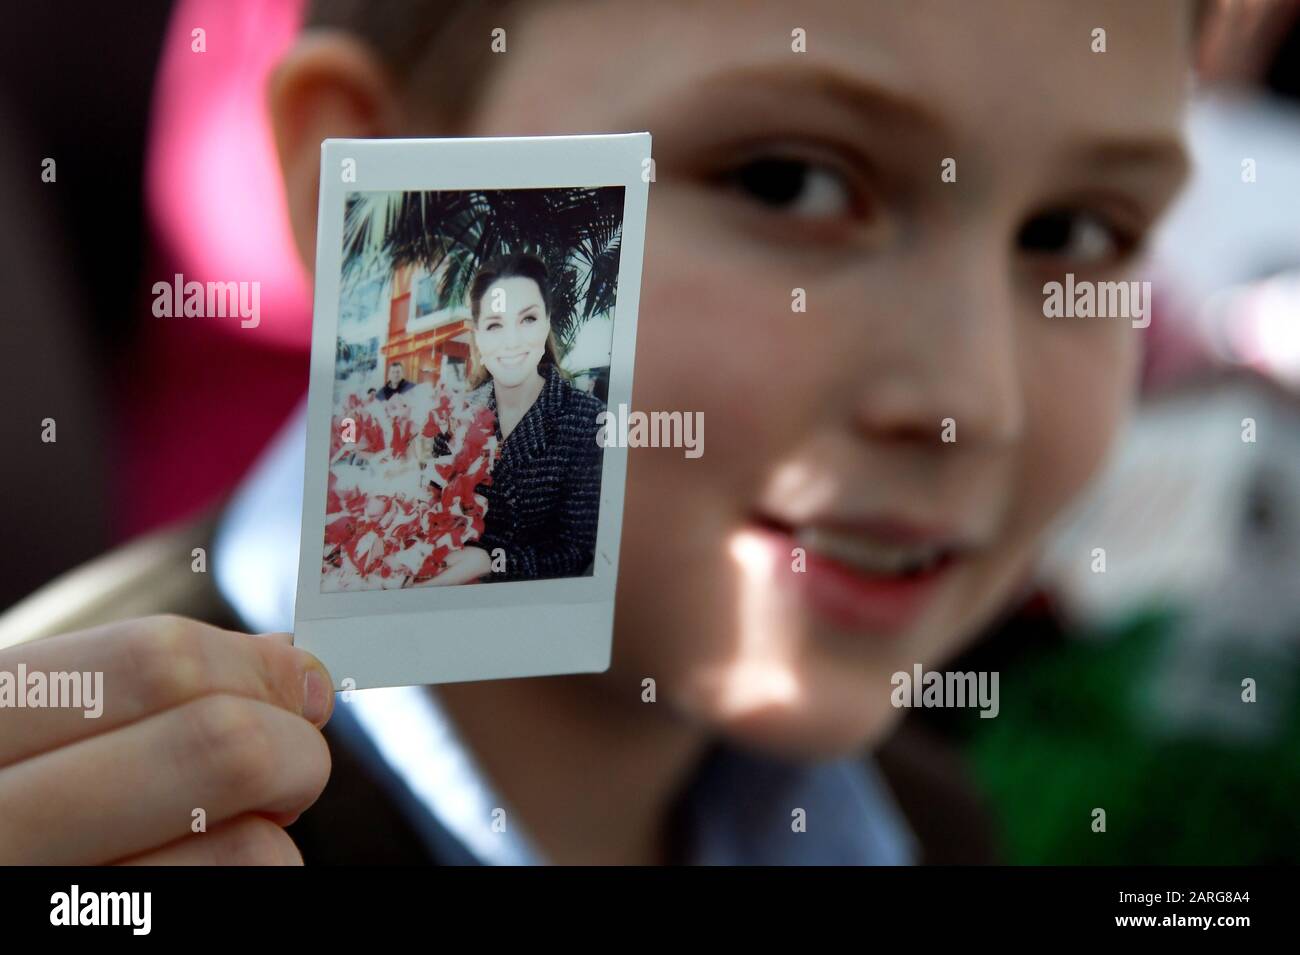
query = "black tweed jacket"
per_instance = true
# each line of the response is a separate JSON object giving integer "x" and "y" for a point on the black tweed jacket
{"x": 544, "y": 497}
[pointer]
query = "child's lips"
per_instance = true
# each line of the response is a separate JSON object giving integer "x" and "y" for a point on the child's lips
{"x": 874, "y": 576}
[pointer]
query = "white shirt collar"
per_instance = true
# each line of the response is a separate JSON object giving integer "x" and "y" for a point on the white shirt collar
{"x": 440, "y": 772}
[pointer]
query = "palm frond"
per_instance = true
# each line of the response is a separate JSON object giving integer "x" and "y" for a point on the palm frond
{"x": 576, "y": 232}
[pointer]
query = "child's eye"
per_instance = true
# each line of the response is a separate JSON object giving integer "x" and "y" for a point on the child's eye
{"x": 797, "y": 187}
{"x": 1075, "y": 236}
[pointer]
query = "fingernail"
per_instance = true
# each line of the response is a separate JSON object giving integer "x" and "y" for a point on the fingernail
{"x": 317, "y": 695}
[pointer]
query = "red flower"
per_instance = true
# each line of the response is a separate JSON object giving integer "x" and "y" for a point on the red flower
{"x": 403, "y": 432}
{"x": 377, "y": 530}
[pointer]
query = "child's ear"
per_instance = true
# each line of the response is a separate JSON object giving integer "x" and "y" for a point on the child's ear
{"x": 328, "y": 86}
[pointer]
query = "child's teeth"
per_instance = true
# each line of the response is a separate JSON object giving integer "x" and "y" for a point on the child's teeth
{"x": 867, "y": 555}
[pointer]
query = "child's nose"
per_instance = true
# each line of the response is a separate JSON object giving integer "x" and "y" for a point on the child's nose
{"x": 950, "y": 370}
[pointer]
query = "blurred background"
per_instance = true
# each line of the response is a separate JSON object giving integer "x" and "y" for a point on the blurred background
{"x": 1125, "y": 685}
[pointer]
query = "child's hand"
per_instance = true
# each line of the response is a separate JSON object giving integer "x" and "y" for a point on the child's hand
{"x": 196, "y": 723}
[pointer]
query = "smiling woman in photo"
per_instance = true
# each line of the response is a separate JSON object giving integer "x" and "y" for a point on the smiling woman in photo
{"x": 544, "y": 496}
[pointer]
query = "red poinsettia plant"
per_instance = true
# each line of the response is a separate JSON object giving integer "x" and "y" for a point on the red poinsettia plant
{"x": 403, "y": 483}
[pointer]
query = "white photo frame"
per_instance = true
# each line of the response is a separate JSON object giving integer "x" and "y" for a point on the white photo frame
{"x": 504, "y": 629}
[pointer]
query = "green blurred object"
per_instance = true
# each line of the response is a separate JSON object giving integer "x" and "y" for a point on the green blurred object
{"x": 1080, "y": 729}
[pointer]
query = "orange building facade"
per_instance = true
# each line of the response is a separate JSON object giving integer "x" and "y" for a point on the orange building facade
{"x": 425, "y": 342}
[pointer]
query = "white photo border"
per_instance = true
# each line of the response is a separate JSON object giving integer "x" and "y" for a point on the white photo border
{"x": 492, "y": 630}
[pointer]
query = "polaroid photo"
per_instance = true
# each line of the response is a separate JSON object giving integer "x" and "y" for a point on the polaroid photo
{"x": 475, "y": 314}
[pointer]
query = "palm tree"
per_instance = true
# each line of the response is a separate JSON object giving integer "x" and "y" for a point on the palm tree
{"x": 576, "y": 232}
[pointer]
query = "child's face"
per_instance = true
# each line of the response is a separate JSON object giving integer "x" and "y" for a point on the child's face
{"x": 821, "y": 171}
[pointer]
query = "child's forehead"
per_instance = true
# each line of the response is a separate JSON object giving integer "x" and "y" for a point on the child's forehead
{"x": 967, "y": 62}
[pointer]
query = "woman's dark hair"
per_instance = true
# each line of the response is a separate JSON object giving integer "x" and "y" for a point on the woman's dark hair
{"x": 516, "y": 265}
{"x": 519, "y": 265}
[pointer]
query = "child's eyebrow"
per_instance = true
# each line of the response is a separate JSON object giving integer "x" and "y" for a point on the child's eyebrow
{"x": 879, "y": 101}
{"x": 1166, "y": 155}
{"x": 870, "y": 97}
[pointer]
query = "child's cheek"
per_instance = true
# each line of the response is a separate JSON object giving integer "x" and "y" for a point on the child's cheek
{"x": 1080, "y": 390}
{"x": 718, "y": 337}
